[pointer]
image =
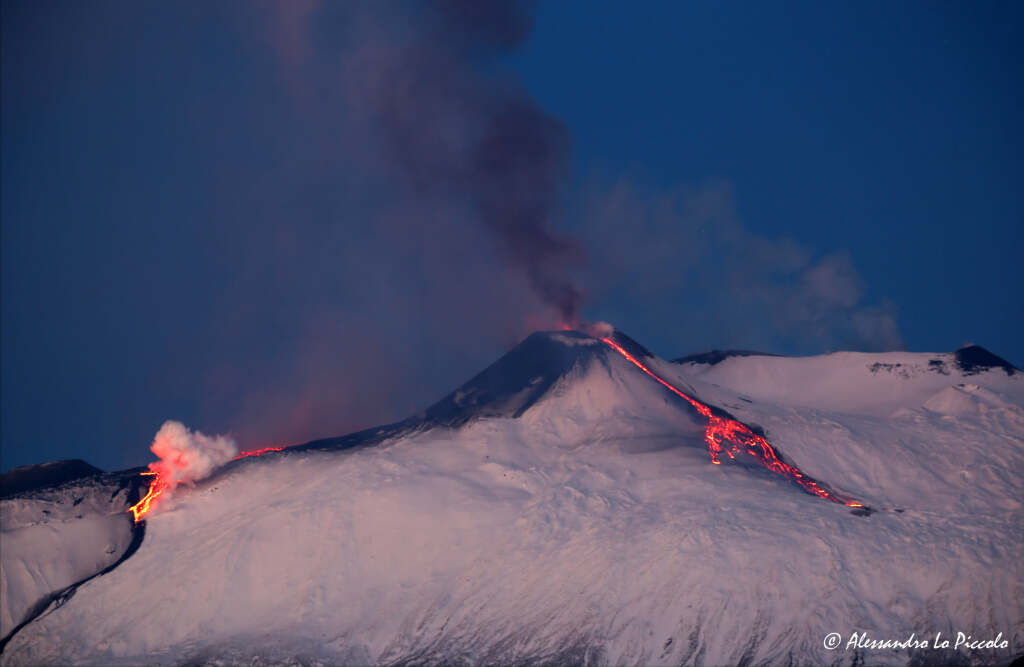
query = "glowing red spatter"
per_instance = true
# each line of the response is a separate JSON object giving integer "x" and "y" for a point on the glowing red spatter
{"x": 257, "y": 452}
{"x": 733, "y": 437}
{"x": 159, "y": 485}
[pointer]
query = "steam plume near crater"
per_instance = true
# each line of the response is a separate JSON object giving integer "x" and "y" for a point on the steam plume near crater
{"x": 184, "y": 457}
{"x": 357, "y": 206}
{"x": 415, "y": 224}
{"x": 187, "y": 456}
{"x": 425, "y": 223}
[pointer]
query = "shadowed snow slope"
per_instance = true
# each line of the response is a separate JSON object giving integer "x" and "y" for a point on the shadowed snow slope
{"x": 574, "y": 387}
{"x": 56, "y": 531}
{"x": 43, "y": 476}
{"x": 561, "y": 508}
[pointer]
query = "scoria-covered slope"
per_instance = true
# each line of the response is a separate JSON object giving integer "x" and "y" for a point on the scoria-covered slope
{"x": 562, "y": 508}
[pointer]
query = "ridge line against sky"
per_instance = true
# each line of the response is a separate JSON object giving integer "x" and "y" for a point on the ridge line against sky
{"x": 320, "y": 217}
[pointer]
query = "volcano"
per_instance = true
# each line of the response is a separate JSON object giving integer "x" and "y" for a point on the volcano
{"x": 564, "y": 506}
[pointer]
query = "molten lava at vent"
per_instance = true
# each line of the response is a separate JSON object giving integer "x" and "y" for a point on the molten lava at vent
{"x": 160, "y": 484}
{"x": 182, "y": 451}
{"x": 156, "y": 488}
{"x": 733, "y": 437}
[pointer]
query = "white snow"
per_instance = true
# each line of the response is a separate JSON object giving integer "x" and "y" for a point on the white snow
{"x": 849, "y": 382}
{"x": 594, "y": 528}
{"x": 48, "y": 543}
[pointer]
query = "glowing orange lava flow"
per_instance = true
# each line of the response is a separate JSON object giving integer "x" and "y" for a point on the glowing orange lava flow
{"x": 257, "y": 452}
{"x": 736, "y": 436}
{"x": 156, "y": 488}
{"x": 159, "y": 485}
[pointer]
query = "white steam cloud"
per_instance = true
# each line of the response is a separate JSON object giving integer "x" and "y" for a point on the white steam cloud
{"x": 188, "y": 456}
{"x": 597, "y": 329}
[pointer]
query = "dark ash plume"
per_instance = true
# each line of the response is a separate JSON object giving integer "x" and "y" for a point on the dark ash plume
{"x": 458, "y": 131}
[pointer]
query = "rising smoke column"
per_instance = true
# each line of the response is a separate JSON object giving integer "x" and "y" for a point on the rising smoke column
{"x": 404, "y": 179}
{"x": 185, "y": 456}
{"x": 458, "y": 129}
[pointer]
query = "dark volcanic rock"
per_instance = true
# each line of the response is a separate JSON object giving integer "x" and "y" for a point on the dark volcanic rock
{"x": 44, "y": 475}
{"x": 974, "y": 359}
{"x": 717, "y": 356}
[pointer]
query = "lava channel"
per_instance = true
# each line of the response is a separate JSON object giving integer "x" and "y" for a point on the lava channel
{"x": 732, "y": 437}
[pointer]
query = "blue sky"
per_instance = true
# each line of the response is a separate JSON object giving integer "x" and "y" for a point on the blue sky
{"x": 293, "y": 220}
{"x": 891, "y": 131}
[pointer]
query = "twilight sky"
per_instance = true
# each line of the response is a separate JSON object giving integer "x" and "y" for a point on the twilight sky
{"x": 290, "y": 220}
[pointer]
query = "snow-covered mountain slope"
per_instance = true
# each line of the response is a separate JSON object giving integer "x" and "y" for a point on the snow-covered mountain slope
{"x": 561, "y": 507}
{"x": 856, "y": 382}
{"x": 902, "y": 426}
{"x": 59, "y": 524}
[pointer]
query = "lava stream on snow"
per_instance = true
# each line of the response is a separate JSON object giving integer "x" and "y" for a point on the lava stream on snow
{"x": 159, "y": 485}
{"x": 732, "y": 437}
{"x": 723, "y": 435}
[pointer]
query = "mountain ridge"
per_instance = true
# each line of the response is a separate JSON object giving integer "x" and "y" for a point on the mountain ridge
{"x": 522, "y": 522}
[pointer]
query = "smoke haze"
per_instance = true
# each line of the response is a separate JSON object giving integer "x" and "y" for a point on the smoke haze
{"x": 413, "y": 237}
{"x": 366, "y": 213}
{"x": 715, "y": 283}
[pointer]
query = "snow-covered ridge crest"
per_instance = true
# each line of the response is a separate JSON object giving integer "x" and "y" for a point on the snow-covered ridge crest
{"x": 542, "y": 368}
{"x": 880, "y": 384}
{"x": 577, "y": 518}
{"x": 59, "y": 535}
